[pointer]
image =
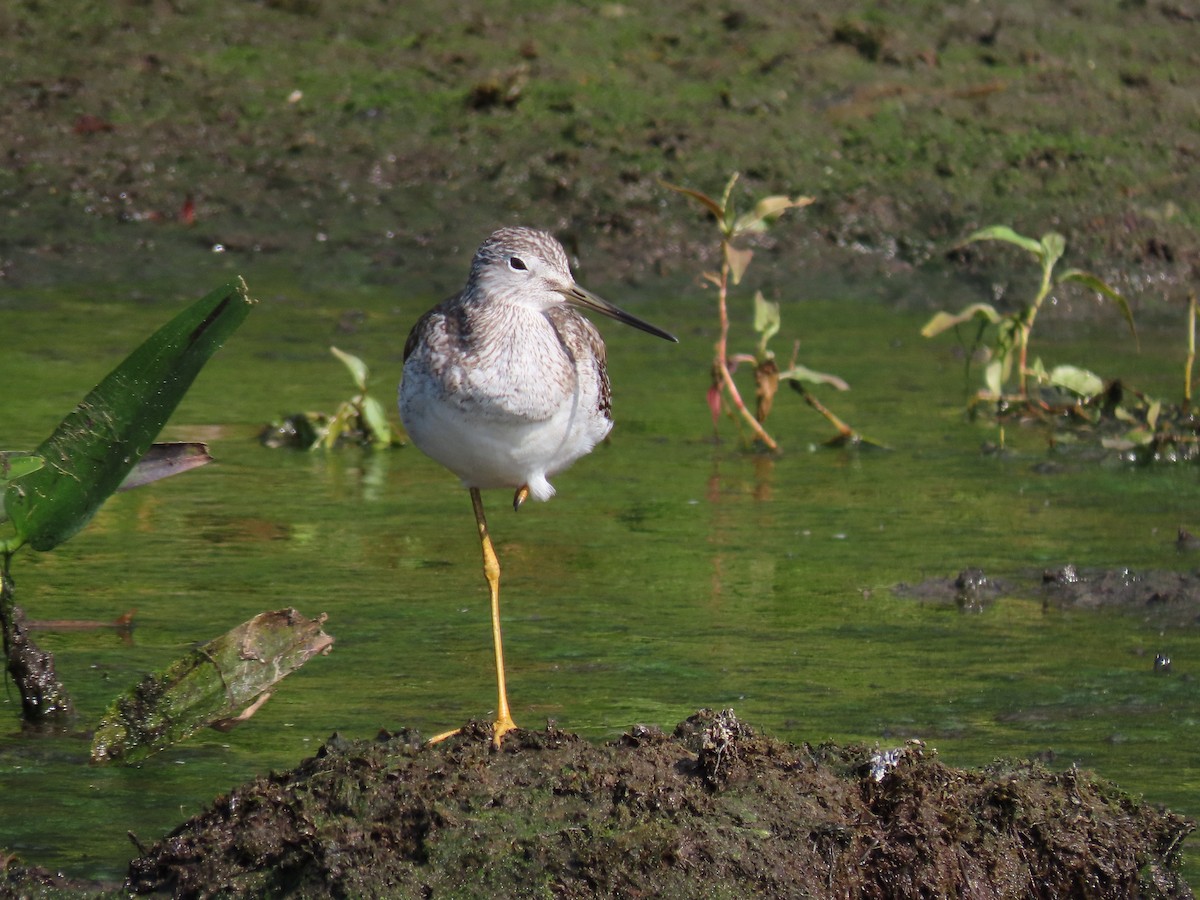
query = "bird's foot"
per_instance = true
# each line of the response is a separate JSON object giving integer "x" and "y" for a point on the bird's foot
{"x": 438, "y": 738}
{"x": 520, "y": 496}
{"x": 500, "y": 728}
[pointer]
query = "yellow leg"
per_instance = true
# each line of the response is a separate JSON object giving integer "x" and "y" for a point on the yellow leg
{"x": 491, "y": 571}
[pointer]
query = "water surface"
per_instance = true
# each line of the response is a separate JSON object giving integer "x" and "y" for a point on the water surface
{"x": 672, "y": 571}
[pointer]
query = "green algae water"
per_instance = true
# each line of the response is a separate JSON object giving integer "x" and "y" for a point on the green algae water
{"x": 672, "y": 571}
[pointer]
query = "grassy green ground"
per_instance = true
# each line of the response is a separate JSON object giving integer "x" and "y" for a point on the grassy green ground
{"x": 366, "y": 141}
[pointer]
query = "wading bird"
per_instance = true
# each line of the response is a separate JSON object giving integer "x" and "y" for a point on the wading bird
{"x": 505, "y": 385}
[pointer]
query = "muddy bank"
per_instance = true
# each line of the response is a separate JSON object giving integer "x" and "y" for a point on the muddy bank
{"x": 1166, "y": 599}
{"x": 140, "y": 142}
{"x": 712, "y": 810}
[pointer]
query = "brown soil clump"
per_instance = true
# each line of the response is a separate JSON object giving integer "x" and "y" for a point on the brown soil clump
{"x": 713, "y": 810}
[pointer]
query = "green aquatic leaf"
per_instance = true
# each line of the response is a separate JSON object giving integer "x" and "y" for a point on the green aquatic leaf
{"x": 358, "y": 368}
{"x": 727, "y": 205}
{"x": 803, "y": 373}
{"x": 943, "y": 321}
{"x": 994, "y": 376}
{"x": 1152, "y": 413}
{"x": 764, "y": 211}
{"x": 95, "y": 448}
{"x": 766, "y": 321}
{"x": 1078, "y": 381}
{"x": 738, "y": 260}
{"x": 375, "y": 419}
{"x": 1100, "y": 286}
{"x": 1006, "y": 234}
{"x": 1053, "y": 245}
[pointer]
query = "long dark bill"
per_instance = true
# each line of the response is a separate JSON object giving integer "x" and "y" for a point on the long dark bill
{"x": 588, "y": 300}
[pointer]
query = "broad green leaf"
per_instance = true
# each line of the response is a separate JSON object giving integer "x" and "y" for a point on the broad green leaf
{"x": 210, "y": 686}
{"x": 358, "y": 368}
{"x": 703, "y": 199}
{"x": 1078, "y": 381}
{"x": 994, "y": 377}
{"x": 738, "y": 261}
{"x": 1092, "y": 282}
{"x": 375, "y": 419}
{"x": 1152, "y": 414}
{"x": 766, "y": 209}
{"x": 803, "y": 373}
{"x": 944, "y": 321}
{"x": 1004, "y": 233}
{"x": 96, "y": 446}
{"x": 766, "y": 319}
{"x": 1052, "y": 247}
{"x": 16, "y": 464}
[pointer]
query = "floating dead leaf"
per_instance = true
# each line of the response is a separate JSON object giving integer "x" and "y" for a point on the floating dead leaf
{"x": 165, "y": 459}
{"x": 218, "y": 684}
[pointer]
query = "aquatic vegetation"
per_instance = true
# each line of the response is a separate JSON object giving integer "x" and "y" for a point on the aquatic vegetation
{"x": 1079, "y": 405}
{"x": 97, "y": 446}
{"x": 361, "y": 420}
{"x": 735, "y": 259}
{"x": 106, "y": 445}
{"x": 52, "y": 493}
{"x": 219, "y": 684}
{"x": 1007, "y": 335}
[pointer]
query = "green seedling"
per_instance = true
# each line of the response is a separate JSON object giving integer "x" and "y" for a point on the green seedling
{"x": 1011, "y": 332}
{"x": 733, "y": 228}
{"x": 360, "y": 420}
{"x": 1191, "y": 352}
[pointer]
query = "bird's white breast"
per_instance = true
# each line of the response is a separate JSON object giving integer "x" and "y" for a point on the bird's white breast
{"x": 505, "y": 402}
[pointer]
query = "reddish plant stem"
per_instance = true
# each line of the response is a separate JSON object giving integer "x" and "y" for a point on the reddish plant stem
{"x": 722, "y": 360}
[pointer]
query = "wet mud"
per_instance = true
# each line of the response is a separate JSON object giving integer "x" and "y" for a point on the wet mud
{"x": 711, "y": 810}
{"x": 1165, "y": 598}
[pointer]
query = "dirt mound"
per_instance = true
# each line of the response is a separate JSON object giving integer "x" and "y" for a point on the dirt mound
{"x": 713, "y": 810}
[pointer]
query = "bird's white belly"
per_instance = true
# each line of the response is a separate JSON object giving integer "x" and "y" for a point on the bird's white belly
{"x": 500, "y": 450}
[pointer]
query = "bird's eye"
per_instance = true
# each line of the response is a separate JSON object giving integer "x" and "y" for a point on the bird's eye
{"x": 517, "y": 264}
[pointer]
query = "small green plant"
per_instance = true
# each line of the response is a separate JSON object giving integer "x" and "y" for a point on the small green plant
{"x": 735, "y": 259}
{"x": 1078, "y": 406}
{"x": 1191, "y": 352}
{"x": 1011, "y": 332}
{"x": 359, "y": 420}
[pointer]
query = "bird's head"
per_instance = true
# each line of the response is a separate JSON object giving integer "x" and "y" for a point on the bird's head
{"x": 529, "y": 268}
{"x": 524, "y": 267}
